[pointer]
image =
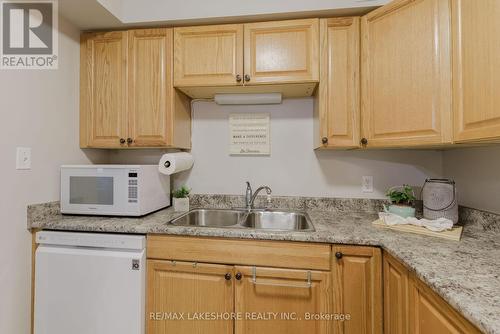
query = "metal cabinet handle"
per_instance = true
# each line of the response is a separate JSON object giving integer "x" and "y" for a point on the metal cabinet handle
{"x": 324, "y": 140}
{"x": 227, "y": 276}
{"x": 247, "y": 77}
{"x": 364, "y": 141}
{"x": 238, "y": 78}
{"x": 130, "y": 141}
{"x": 308, "y": 284}
{"x": 339, "y": 255}
{"x": 238, "y": 276}
{"x": 122, "y": 140}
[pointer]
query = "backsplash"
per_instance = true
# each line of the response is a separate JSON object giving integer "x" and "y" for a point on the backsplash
{"x": 481, "y": 219}
{"x": 289, "y": 202}
{"x": 468, "y": 216}
{"x": 484, "y": 220}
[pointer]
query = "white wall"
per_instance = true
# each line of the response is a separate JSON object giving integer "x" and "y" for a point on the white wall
{"x": 39, "y": 109}
{"x": 293, "y": 168}
{"x": 477, "y": 174}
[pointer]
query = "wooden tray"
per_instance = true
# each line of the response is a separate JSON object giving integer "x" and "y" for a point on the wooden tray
{"x": 454, "y": 234}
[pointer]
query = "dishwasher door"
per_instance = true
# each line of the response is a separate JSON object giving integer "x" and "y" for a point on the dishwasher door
{"x": 89, "y": 290}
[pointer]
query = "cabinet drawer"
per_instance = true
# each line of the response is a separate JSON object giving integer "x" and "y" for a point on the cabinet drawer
{"x": 280, "y": 254}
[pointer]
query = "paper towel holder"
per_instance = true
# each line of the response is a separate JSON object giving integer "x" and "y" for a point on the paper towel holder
{"x": 171, "y": 163}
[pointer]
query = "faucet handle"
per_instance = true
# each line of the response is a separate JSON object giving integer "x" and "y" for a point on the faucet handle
{"x": 269, "y": 200}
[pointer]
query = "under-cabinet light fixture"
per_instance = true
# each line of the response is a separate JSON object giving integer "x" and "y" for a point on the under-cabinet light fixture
{"x": 264, "y": 98}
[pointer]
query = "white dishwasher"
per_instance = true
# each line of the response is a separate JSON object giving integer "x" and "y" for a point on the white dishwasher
{"x": 89, "y": 283}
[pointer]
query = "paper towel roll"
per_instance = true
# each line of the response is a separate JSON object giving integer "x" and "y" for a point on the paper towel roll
{"x": 171, "y": 163}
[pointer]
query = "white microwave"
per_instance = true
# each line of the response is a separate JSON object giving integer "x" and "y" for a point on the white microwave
{"x": 114, "y": 190}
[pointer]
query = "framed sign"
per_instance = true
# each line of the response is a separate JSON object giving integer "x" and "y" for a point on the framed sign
{"x": 249, "y": 134}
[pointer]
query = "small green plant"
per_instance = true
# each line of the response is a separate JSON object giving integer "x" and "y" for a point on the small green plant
{"x": 182, "y": 192}
{"x": 403, "y": 195}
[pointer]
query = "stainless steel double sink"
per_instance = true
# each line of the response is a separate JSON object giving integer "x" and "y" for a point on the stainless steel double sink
{"x": 272, "y": 220}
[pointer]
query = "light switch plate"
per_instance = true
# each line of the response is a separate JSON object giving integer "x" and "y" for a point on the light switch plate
{"x": 367, "y": 184}
{"x": 23, "y": 158}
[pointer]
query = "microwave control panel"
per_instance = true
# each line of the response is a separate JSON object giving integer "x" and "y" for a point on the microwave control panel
{"x": 132, "y": 186}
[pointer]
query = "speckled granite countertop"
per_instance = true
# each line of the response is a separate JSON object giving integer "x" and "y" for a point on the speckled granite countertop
{"x": 466, "y": 273}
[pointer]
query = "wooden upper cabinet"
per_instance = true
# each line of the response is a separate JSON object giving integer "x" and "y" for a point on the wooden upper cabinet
{"x": 395, "y": 296}
{"x": 208, "y": 55}
{"x": 284, "y": 292}
{"x": 337, "y": 99}
{"x": 103, "y": 91}
{"x": 180, "y": 287}
{"x": 406, "y": 74}
{"x": 282, "y": 51}
{"x": 476, "y": 70}
{"x": 266, "y": 57}
{"x": 357, "y": 289}
{"x": 127, "y": 97}
{"x": 150, "y": 91}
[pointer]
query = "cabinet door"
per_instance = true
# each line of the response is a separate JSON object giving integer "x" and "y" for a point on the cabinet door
{"x": 150, "y": 86}
{"x": 429, "y": 314}
{"x": 406, "y": 74}
{"x": 338, "y": 95}
{"x": 357, "y": 289}
{"x": 178, "y": 291}
{"x": 395, "y": 296}
{"x": 103, "y": 111}
{"x": 476, "y": 70}
{"x": 282, "y": 51}
{"x": 281, "y": 298}
{"x": 208, "y": 55}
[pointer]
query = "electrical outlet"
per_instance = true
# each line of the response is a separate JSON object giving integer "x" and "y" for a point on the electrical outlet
{"x": 367, "y": 184}
{"x": 23, "y": 158}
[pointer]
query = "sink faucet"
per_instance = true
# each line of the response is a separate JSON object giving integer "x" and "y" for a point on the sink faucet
{"x": 248, "y": 195}
{"x": 250, "y": 198}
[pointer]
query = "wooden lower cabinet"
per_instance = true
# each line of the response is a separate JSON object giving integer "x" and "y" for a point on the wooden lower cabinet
{"x": 265, "y": 286}
{"x": 192, "y": 297}
{"x": 410, "y": 306}
{"x": 395, "y": 296}
{"x": 430, "y": 314}
{"x": 278, "y": 300}
{"x": 285, "y": 299}
{"x": 357, "y": 289}
{"x": 182, "y": 288}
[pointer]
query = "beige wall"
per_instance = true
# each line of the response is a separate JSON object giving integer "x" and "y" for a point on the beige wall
{"x": 477, "y": 174}
{"x": 293, "y": 168}
{"x": 39, "y": 109}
